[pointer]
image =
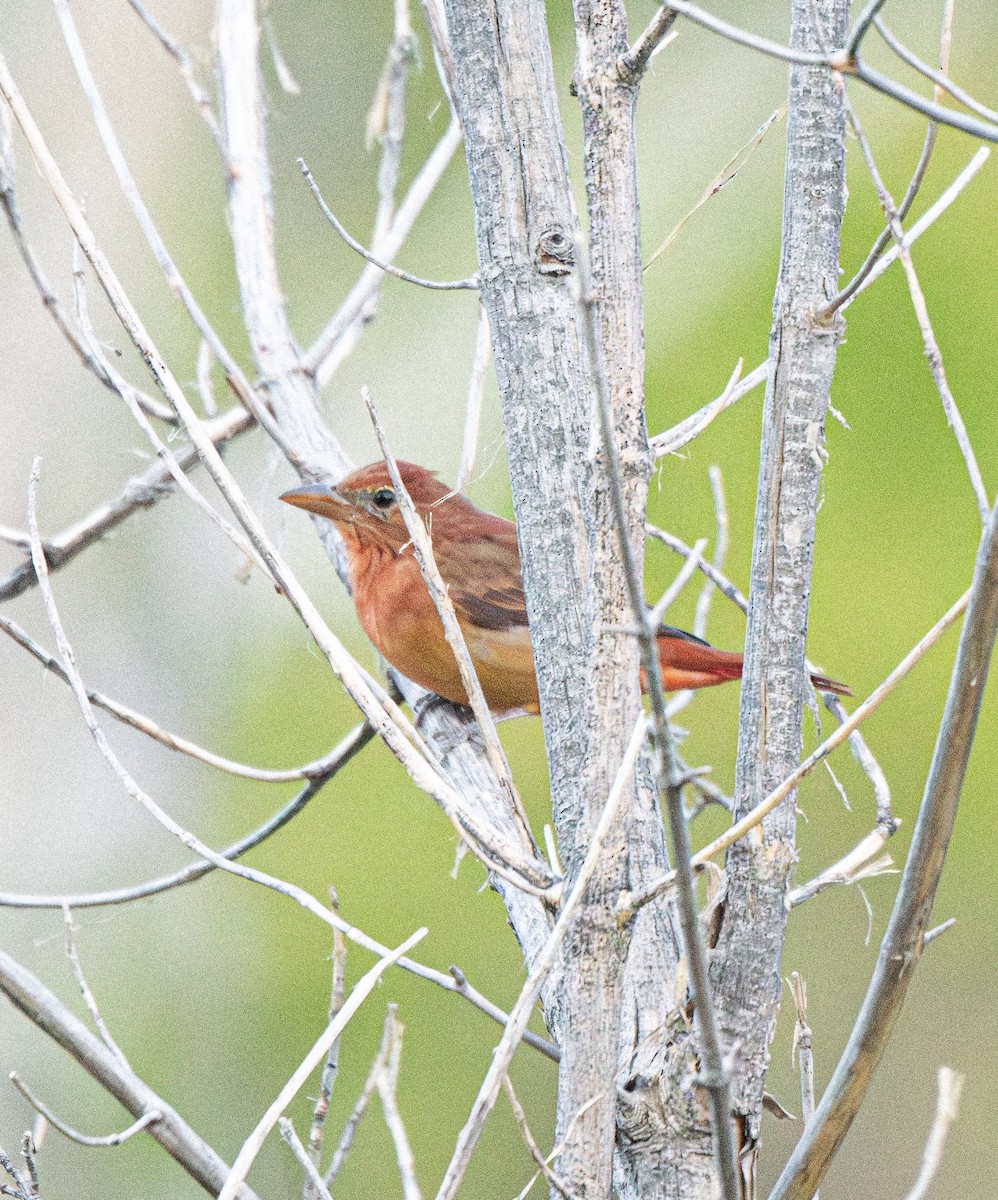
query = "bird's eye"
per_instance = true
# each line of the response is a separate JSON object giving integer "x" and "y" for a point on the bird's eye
{"x": 383, "y": 499}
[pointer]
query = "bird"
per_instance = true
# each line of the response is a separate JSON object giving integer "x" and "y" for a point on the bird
{"x": 478, "y": 558}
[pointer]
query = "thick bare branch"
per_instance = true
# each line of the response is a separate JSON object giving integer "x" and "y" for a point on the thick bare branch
{"x": 902, "y": 943}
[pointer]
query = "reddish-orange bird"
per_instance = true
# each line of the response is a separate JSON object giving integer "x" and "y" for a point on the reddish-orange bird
{"x": 479, "y": 560}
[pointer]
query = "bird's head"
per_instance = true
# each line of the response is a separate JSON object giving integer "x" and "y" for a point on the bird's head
{"x": 365, "y": 500}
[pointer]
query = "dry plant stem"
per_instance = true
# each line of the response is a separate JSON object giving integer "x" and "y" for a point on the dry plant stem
{"x": 361, "y": 990}
{"x": 851, "y": 867}
{"x": 49, "y": 1014}
{"x": 387, "y": 1089}
{"x": 423, "y": 548}
{"x": 74, "y": 1135}
{"x": 330, "y": 1069}
{"x": 358, "y": 1110}
{"x": 947, "y": 1109}
{"x": 141, "y": 491}
{"x": 740, "y": 828}
{"x": 503, "y": 1054}
{"x": 671, "y": 593}
{"x": 932, "y": 351}
{"x": 902, "y": 943}
{"x": 839, "y": 61}
{"x": 314, "y": 1189}
{"x": 88, "y": 997}
{"x": 803, "y": 1048}
{"x": 520, "y": 1117}
{"x": 434, "y": 285}
{"x": 318, "y": 769}
{"x": 240, "y": 385}
{"x": 473, "y": 408}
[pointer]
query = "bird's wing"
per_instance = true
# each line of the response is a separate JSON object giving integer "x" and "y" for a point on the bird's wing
{"x": 483, "y": 577}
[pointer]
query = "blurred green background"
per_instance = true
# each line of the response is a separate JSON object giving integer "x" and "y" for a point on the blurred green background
{"x": 216, "y": 991}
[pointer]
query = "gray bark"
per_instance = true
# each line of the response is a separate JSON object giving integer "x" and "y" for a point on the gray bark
{"x": 746, "y": 967}
{"x": 527, "y": 236}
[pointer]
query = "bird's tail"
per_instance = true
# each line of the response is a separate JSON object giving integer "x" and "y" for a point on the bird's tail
{"x": 686, "y": 661}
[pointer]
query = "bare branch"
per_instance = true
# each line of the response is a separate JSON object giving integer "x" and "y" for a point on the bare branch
{"x": 49, "y": 1014}
{"x": 141, "y": 491}
{"x": 632, "y": 65}
{"x": 434, "y": 285}
{"x": 947, "y": 1109}
{"x": 932, "y": 351}
{"x": 359, "y": 993}
{"x": 358, "y": 1110}
{"x": 85, "y": 1139}
{"x": 674, "y": 439}
{"x": 387, "y": 1088}
{"x": 902, "y": 943}
{"x": 314, "y": 1186}
{"x": 939, "y": 78}
{"x": 713, "y": 1074}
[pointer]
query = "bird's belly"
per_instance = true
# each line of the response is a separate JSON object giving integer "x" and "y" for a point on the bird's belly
{"x": 407, "y": 630}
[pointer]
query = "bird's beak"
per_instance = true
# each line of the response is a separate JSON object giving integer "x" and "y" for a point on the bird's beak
{"x": 316, "y": 498}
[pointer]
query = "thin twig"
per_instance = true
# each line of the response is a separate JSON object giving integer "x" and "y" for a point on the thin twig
{"x": 141, "y": 491}
{"x": 88, "y": 997}
{"x": 839, "y": 60}
{"x": 631, "y": 902}
{"x": 330, "y": 1069}
{"x": 473, "y": 405}
{"x": 358, "y": 1110}
{"x": 434, "y": 285}
{"x": 947, "y": 1109}
{"x": 726, "y": 174}
{"x": 932, "y": 351}
{"x": 361, "y": 990}
{"x": 347, "y": 748}
{"x": 314, "y": 1187}
{"x": 387, "y": 1089}
{"x": 543, "y": 1169}
{"x": 74, "y": 1135}
{"x": 858, "y": 864}
{"x": 939, "y": 78}
{"x": 674, "y": 439}
{"x": 316, "y": 769}
{"x": 200, "y": 96}
{"x": 338, "y": 337}
{"x": 803, "y": 1048}
{"x": 918, "y": 175}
